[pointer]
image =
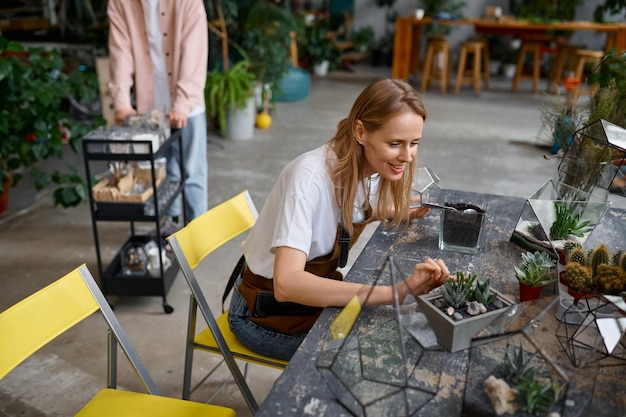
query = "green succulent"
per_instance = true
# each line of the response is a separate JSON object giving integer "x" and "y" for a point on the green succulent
{"x": 516, "y": 364}
{"x": 567, "y": 223}
{"x": 457, "y": 291}
{"x": 482, "y": 293}
{"x": 534, "y": 270}
{"x": 533, "y": 395}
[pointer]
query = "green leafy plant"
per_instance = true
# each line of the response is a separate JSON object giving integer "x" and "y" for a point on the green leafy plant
{"x": 458, "y": 291}
{"x": 228, "y": 89}
{"x": 534, "y": 269}
{"x": 533, "y": 395}
{"x": 516, "y": 364}
{"x": 318, "y": 46}
{"x": 363, "y": 38}
{"x": 482, "y": 292}
{"x": 567, "y": 223}
{"x": 34, "y": 120}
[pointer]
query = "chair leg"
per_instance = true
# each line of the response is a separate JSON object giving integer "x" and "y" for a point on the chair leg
{"x": 477, "y": 73}
{"x": 519, "y": 68}
{"x": 445, "y": 71}
{"x": 536, "y": 69}
{"x": 191, "y": 330}
{"x": 428, "y": 64}
{"x": 460, "y": 71}
{"x": 485, "y": 53}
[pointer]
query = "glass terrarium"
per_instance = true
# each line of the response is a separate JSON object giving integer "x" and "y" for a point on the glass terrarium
{"x": 557, "y": 213}
{"x": 593, "y": 159}
{"x": 425, "y": 188}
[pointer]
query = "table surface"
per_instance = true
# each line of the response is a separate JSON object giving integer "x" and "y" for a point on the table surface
{"x": 441, "y": 383}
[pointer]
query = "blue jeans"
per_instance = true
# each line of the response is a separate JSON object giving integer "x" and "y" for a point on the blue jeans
{"x": 260, "y": 339}
{"x": 196, "y": 185}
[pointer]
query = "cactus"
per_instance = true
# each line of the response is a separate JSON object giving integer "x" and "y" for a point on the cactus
{"x": 568, "y": 247}
{"x": 609, "y": 279}
{"x": 534, "y": 269}
{"x": 620, "y": 260}
{"x": 579, "y": 277}
{"x": 599, "y": 255}
{"x": 458, "y": 291}
{"x": 578, "y": 255}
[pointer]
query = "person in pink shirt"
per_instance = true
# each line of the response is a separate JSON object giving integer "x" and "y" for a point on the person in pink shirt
{"x": 159, "y": 49}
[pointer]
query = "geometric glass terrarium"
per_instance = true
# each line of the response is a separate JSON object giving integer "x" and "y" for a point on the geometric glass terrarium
{"x": 425, "y": 187}
{"x": 587, "y": 165}
{"x": 555, "y": 214}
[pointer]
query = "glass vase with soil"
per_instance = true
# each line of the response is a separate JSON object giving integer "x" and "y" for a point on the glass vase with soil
{"x": 461, "y": 226}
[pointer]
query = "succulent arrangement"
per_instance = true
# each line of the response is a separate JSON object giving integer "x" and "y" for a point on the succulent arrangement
{"x": 460, "y": 290}
{"x": 567, "y": 223}
{"x": 535, "y": 269}
{"x": 596, "y": 270}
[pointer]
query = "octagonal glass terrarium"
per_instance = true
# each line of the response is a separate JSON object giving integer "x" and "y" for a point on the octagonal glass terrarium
{"x": 425, "y": 188}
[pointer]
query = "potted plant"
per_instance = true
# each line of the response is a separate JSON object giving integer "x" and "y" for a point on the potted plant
{"x": 596, "y": 272}
{"x": 229, "y": 90}
{"x": 319, "y": 50}
{"x": 534, "y": 273}
{"x": 34, "y": 120}
{"x": 461, "y": 308}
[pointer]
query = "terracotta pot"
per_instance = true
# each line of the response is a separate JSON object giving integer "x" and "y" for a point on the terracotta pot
{"x": 563, "y": 278}
{"x": 578, "y": 295}
{"x": 528, "y": 293}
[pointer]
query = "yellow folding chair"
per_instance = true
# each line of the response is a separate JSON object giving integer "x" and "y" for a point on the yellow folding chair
{"x": 191, "y": 245}
{"x": 38, "y": 319}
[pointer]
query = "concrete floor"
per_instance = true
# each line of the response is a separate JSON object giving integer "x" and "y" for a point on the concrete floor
{"x": 486, "y": 144}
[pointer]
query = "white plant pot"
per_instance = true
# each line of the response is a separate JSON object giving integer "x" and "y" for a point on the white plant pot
{"x": 321, "y": 69}
{"x": 240, "y": 122}
{"x": 509, "y": 70}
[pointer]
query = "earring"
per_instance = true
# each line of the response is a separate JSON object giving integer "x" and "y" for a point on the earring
{"x": 359, "y": 142}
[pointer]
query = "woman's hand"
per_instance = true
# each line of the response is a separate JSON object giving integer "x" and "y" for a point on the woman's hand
{"x": 426, "y": 276}
{"x": 418, "y": 212}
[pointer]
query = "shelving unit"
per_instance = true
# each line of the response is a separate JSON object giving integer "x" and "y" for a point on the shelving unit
{"x": 113, "y": 280}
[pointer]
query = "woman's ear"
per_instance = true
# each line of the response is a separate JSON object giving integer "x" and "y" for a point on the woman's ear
{"x": 359, "y": 130}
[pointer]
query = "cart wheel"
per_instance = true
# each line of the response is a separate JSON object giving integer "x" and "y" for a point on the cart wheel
{"x": 168, "y": 308}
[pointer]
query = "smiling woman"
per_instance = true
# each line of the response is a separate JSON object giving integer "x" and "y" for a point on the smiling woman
{"x": 315, "y": 212}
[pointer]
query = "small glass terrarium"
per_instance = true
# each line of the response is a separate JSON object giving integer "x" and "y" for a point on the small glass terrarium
{"x": 557, "y": 213}
{"x": 593, "y": 160}
{"x": 425, "y": 188}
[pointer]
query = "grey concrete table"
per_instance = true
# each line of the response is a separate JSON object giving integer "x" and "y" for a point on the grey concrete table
{"x": 439, "y": 382}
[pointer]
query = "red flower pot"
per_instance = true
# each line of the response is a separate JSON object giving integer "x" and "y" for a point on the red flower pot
{"x": 528, "y": 293}
{"x": 578, "y": 295}
{"x": 563, "y": 278}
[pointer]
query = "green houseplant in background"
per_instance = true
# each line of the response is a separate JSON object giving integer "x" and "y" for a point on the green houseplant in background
{"x": 319, "y": 49}
{"x": 34, "y": 122}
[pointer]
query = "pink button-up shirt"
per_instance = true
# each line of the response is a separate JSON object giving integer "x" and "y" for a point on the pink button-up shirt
{"x": 185, "y": 47}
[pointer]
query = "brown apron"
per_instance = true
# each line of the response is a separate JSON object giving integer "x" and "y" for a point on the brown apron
{"x": 323, "y": 266}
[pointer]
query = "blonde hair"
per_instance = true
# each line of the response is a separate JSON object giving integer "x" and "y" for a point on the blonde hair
{"x": 377, "y": 103}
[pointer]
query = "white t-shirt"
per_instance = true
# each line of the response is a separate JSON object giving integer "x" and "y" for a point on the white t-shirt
{"x": 300, "y": 212}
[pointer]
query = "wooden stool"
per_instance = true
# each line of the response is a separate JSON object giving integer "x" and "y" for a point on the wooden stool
{"x": 435, "y": 46}
{"x": 481, "y": 58}
{"x": 564, "y": 60}
{"x": 583, "y": 57}
{"x": 533, "y": 48}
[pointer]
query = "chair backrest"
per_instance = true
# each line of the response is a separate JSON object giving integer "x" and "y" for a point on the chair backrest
{"x": 194, "y": 242}
{"x": 38, "y": 319}
{"x": 217, "y": 226}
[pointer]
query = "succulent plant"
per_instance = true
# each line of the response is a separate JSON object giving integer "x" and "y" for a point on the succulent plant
{"x": 516, "y": 364}
{"x": 457, "y": 291}
{"x": 482, "y": 293}
{"x": 567, "y": 223}
{"x": 534, "y": 396}
{"x": 568, "y": 247}
{"x": 534, "y": 270}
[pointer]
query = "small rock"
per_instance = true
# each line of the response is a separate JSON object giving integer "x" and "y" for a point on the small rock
{"x": 457, "y": 316}
{"x": 450, "y": 311}
{"x": 497, "y": 303}
{"x": 473, "y": 308}
{"x": 501, "y": 395}
{"x": 481, "y": 308}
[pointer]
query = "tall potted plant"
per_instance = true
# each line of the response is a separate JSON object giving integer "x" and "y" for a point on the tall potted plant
{"x": 229, "y": 90}
{"x": 34, "y": 122}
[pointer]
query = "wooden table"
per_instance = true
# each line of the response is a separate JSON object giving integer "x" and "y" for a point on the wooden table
{"x": 441, "y": 383}
{"x": 409, "y": 30}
